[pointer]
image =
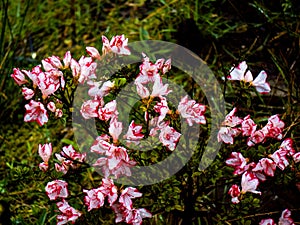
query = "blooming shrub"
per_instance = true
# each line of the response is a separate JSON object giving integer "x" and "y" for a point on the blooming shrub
{"x": 50, "y": 89}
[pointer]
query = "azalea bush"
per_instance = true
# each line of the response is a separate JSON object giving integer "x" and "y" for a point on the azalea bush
{"x": 51, "y": 173}
{"x": 50, "y": 89}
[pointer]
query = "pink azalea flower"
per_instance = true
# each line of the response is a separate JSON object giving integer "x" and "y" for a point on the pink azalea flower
{"x": 169, "y": 137}
{"x": 240, "y": 73}
{"x": 274, "y": 127}
{"x": 67, "y": 59}
{"x": 260, "y": 83}
{"x": 87, "y": 69}
{"x": 167, "y": 66}
{"x": 279, "y": 157}
{"x": 116, "y": 162}
{"x": 69, "y": 158}
{"x": 49, "y": 82}
{"x": 192, "y": 111}
{"x": 257, "y": 137}
{"x": 52, "y": 63}
{"x": 161, "y": 108}
{"x": 159, "y": 62}
{"x": 101, "y": 145}
{"x": 231, "y": 120}
{"x": 248, "y": 126}
{"x": 109, "y": 111}
{"x": 45, "y": 152}
{"x": 296, "y": 157}
{"x": 93, "y": 52}
{"x": 285, "y": 218}
{"x": 68, "y": 213}
{"x": 265, "y": 165}
{"x": 127, "y": 194}
{"x": 134, "y": 133}
{"x": 18, "y": 77}
{"x": 148, "y": 71}
{"x": 267, "y": 222}
{"x": 130, "y": 216}
{"x": 109, "y": 189}
{"x": 57, "y": 189}
{"x": 51, "y": 106}
{"x": 119, "y": 45}
{"x": 27, "y": 93}
{"x": 135, "y": 216}
{"x": 97, "y": 91}
{"x": 120, "y": 212}
{"x": 33, "y": 74}
{"x": 58, "y": 113}
{"x": 35, "y": 111}
{"x": 89, "y": 109}
{"x": 106, "y": 47}
{"x": 142, "y": 90}
{"x": 226, "y": 134}
{"x": 75, "y": 68}
{"x": 115, "y": 129}
{"x": 238, "y": 162}
{"x": 229, "y": 130}
{"x": 287, "y": 146}
{"x": 94, "y": 198}
{"x": 249, "y": 183}
{"x": 159, "y": 89}
{"x": 234, "y": 192}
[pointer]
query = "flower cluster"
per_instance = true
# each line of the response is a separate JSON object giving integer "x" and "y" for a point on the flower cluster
{"x": 121, "y": 204}
{"x": 285, "y": 219}
{"x": 232, "y": 126}
{"x": 253, "y": 173}
{"x": 59, "y": 189}
{"x": 50, "y": 89}
{"x": 242, "y": 74}
{"x": 48, "y": 80}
